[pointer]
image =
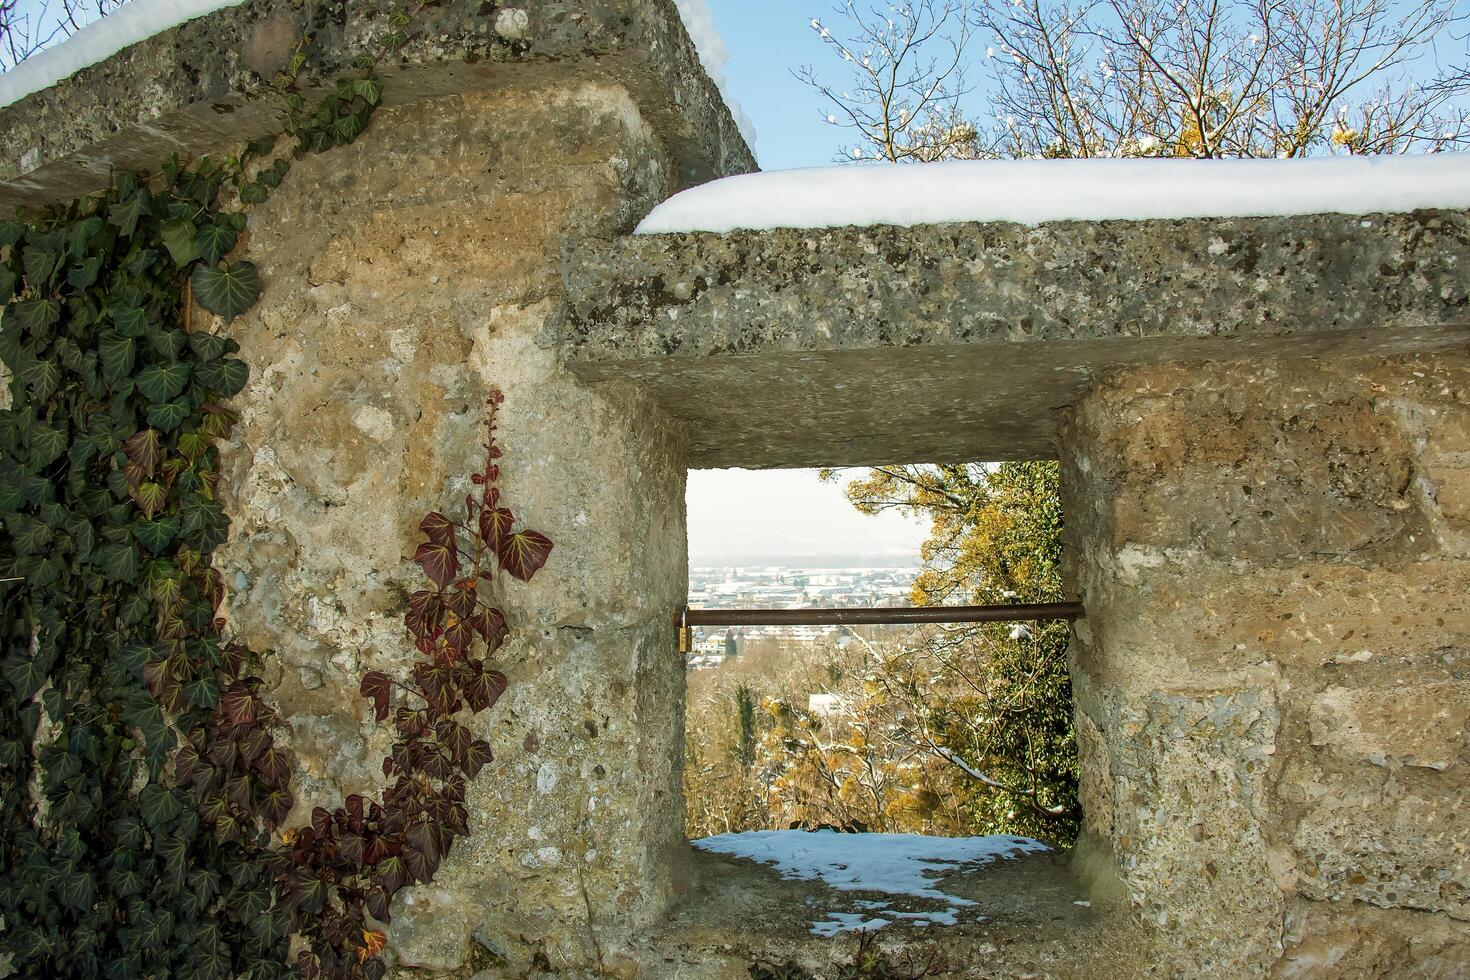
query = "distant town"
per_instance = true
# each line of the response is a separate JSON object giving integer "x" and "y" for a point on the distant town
{"x": 783, "y": 587}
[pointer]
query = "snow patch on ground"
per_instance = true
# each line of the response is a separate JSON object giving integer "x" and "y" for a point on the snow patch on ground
{"x": 133, "y": 22}
{"x": 899, "y": 864}
{"x": 1031, "y": 192}
{"x": 713, "y": 55}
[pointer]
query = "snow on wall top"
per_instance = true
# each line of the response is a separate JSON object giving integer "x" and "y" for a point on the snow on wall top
{"x": 1031, "y": 192}
{"x": 138, "y": 20}
{"x": 128, "y": 25}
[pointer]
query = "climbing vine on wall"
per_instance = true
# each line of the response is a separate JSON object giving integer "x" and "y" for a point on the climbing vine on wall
{"x": 140, "y": 779}
{"x": 139, "y": 774}
{"x": 352, "y": 860}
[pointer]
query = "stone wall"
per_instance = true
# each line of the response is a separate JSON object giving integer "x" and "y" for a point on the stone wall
{"x": 1273, "y": 678}
{"x": 405, "y": 275}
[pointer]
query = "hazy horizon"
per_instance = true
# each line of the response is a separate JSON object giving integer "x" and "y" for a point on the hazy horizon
{"x": 791, "y": 518}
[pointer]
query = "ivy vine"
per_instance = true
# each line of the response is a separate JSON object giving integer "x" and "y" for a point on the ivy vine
{"x": 140, "y": 779}
{"x": 139, "y": 794}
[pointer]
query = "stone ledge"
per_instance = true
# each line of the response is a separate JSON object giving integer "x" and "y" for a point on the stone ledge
{"x": 205, "y": 86}
{"x": 797, "y": 347}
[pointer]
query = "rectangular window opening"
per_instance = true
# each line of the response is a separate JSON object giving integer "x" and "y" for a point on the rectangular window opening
{"x": 878, "y": 751}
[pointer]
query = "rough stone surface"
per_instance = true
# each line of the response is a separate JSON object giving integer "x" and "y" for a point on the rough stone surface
{"x": 1276, "y": 659}
{"x": 1265, "y": 434}
{"x": 208, "y": 85}
{"x": 405, "y": 274}
{"x": 1001, "y": 326}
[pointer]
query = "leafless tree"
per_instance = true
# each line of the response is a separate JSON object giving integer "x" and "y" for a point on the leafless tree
{"x": 26, "y": 28}
{"x": 907, "y": 65}
{"x": 1181, "y": 78}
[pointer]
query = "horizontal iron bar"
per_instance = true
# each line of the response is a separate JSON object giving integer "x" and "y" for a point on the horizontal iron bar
{"x": 884, "y": 615}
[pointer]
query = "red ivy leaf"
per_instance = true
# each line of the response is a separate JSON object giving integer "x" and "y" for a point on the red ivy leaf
{"x": 490, "y": 624}
{"x": 377, "y": 905}
{"x": 274, "y": 766}
{"x": 439, "y": 561}
{"x": 378, "y": 686}
{"x": 275, "y": 805}
{"x": 352, "y": 806}
{"x": 461, "y": 601}
{"x": 458, "y": 637}
{"x": 143, "y": 451}
{"x": 522, "y": 554}
{"x": 410, "y": 722}
{"x": 321, "y": 821}
{"x": 240, "y": 703}
{"x": 425, "y": 610}
{"x": 454, "y": 737}
{"x": 484, "y": 689}
{"x": 350, "y": 846}
{"x": 476, "y": 755}
{"x": 255, "y": 742}
{"x": 438, "y": 529}
{"x": 495, "y": 524}
{"x": 391, "y": 874}
{"x": 238, "y": 789}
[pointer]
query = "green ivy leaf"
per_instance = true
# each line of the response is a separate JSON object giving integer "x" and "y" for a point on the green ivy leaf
{"x": 26, "y": 675}
{"x": 158, "y": 806}
{"x": 156, "y": 534}
{"x": 8, "y": 281}
{"x": 84, "y": 273}
{"x": 43, "y": 377}
{"x": 225, "y": 377}
{"x": 254, "y": 193}
{"x": 36, "y": 316}
{"x": 208, "y": 346}
{"x": 131, "y": 321}
{"x": 229, "y": 291}
{"x": 214, "y": 241}
{"x": 118, "y": 354}
{"x": 82, "y": 233}
{"x": 162, "y": 382}
{"x": 40, "y": 262}
{"x": 121, "y": 563}
{"x": 126, "y": 213}
{"x": 179, "y": 238}
{"x": 170, "y": 415}
{"x": 151, "y": 498}
{"x": 77, "y": 890}
{"x": 47, "y": 445}
{"x": 202, "y": 691}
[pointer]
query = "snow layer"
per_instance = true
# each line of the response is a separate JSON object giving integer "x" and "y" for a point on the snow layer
{"x": 713, "y": 55}
{"x": 133, "y": 22}
{"x": 899, "y": 864}
{"x": 138, "y": 20}
{"x": 1034, "y": 191}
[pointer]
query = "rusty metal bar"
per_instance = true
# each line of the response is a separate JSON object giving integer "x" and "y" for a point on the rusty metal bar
{"x": 882, "y": 615}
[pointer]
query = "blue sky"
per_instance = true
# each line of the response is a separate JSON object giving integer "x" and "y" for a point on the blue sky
{"x": 768, "y": 40}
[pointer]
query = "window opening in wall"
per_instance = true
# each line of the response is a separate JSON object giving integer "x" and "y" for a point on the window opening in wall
{"x": 949, "y": 738}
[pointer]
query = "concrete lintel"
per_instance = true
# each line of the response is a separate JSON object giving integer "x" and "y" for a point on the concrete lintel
{"x": 206, "y": 86}
{"x": 848, "y": 346}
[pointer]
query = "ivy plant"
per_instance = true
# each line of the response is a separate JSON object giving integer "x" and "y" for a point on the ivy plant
{"x": 348, "y": 864}
{"x": 118, "y": 858}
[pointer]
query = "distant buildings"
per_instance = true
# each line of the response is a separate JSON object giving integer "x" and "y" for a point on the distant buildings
{"x": 778, "y": 587}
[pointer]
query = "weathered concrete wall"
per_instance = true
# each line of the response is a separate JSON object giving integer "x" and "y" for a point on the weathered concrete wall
{"x": 999, "y": 325}
{"x": 1273, "y": 679}
{"x": 209, "y": 85}
{"x": 406, "y": 274}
